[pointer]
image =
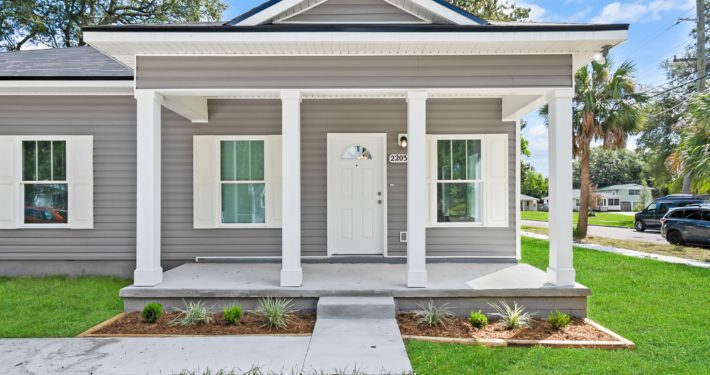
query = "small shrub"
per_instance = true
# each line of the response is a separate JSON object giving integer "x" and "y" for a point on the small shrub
{"x": 511, "y": 317}
{"x": 558, "y": 319}
{"x": 233, "y": 314}
{"x": 152, "y": 312}
{"x": 194, "y": 313}
{"x": 478, "y": 319}
{"x": 276, "y": 311}
{"x": 432, "y": 315}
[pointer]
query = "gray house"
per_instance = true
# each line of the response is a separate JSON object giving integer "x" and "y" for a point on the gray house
{"x": 304, "y": 148}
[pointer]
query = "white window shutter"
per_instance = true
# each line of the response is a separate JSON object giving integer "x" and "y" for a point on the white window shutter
{"x": 274, "y": 181}
{"x": 9, "y": 182}
{"x": 205, "y": 172}
{"x": 80, "y": 175}
{"x": 495, "y": 181}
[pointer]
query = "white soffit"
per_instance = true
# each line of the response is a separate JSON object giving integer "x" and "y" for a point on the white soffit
{"x": 124, "y": 46}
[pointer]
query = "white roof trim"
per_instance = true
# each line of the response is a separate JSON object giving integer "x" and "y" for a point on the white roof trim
{"x": 66, "y": 87}
{"x": 275, "y": 11}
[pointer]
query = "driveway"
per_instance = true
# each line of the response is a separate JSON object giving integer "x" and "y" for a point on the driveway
{"x": 611, "y": 232}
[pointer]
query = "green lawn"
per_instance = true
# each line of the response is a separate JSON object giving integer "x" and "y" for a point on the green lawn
{"x": 663, "y": 308}
{"x": 602, "y": 218}
{"x": 56, "y": 306}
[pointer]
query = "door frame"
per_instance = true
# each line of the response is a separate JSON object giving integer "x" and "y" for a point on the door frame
{"x": 329, "y": 199}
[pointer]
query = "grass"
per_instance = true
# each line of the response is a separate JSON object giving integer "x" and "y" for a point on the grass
{"x": 664, "y": 308}
{"x": 687, "y": 252}
{"x": 56, "y": 306}
{"x": 609, "y": 219}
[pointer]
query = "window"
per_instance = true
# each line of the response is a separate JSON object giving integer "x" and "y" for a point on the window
{"x": 45, "y": 189}
{"x": 356, "y": 153}
{"x": 458, "y": 181}
{"x": 693, "y": 214}
{"x": 706, "y": 215}
{"x": 634, "y": 192}
{"x": 651, "y": 207}
{"x": 242, "y": 182}
{"x": 677, "y": 214}
{"x": 613, "y": 202}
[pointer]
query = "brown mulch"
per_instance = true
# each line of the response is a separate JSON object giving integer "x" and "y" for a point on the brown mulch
{"x": 251, "y": 324}
{"x": 459, "y": 327}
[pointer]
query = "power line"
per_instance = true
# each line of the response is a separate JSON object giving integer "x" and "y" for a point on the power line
{"x": 647, "y": 41}
{"x": 677, "y": 87}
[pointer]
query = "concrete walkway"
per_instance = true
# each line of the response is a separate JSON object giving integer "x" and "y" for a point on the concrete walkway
{"x": 630, "y": 253}
{"x": 611, "y": 232}
{"x": 353, "y": 335}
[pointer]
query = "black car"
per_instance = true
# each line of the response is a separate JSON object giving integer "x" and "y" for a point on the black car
{"x": 651, "y": 216}
{"x": 689, "y": 224}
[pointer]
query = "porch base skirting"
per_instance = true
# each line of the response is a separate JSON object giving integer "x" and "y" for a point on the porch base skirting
{"x": 464, "y": 286}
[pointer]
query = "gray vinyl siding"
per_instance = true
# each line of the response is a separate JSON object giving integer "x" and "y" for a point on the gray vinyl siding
{"x": 354, "y": 11}
{"x": 473, "y": 116}
{"x": 226, "y": 117}
{"x": 112, "y": 122}
{"x": 274, "y": 72}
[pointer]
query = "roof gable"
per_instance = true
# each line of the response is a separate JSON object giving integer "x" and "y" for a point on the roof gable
{"x": 356, "y": 11}
{"x": 349, "y": 11}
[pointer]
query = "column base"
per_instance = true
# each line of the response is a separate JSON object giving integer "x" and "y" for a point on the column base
{"x": 292, "y": 277}
{"x": 416, "y": 279}
{"x": 147, "y": 276}
{"x": 562, "y": 277}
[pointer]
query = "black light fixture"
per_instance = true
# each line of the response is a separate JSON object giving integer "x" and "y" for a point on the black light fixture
{"x": 402, "y": 138}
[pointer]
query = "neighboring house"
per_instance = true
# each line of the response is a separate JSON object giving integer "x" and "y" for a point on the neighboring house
{"x": 575, "y": 200}
{"x": 528, "y": 203}
{"x": 622, "y": 197}
{"x": 301, "y": 131}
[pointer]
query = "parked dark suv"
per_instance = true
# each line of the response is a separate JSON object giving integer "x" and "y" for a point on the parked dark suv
{"x": 650, "y": 217}
{"x": 689, "y": 224}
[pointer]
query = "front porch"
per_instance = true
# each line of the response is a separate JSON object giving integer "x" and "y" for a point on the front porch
{"x": 465, "y": 286}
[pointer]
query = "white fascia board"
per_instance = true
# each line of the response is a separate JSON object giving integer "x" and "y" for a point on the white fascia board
{"x": 22, "y": 87}
{"x": 135, "y": 38}
{"x": 269, "y": 13}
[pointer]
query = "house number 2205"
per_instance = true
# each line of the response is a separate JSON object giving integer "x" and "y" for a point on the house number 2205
{"x": 398, "y": 158}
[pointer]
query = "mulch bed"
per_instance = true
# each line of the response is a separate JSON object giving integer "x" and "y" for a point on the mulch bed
{"x": 251, "y": 324}
{"x": 459, "y": 327}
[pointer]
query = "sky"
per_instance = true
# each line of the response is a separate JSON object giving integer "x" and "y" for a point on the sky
{"x": 655, "y": 34}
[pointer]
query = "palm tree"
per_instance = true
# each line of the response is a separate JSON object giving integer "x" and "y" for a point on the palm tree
{"x": 693, "y": 153}
{"x": 606, "y": 110}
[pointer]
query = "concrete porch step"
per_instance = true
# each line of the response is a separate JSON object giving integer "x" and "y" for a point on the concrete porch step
{"x": 356, "y": 308}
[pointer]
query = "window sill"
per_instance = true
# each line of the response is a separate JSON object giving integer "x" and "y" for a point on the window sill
{"x": 456, "y": 225}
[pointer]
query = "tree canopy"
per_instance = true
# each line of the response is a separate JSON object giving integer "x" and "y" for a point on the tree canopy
{"x": 57, "y": 23}
{"x": 611, "y": 167}
{"x": 494, "y": 10}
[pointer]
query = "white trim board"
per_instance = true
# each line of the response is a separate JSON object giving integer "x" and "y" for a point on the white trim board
{"x": 66, "y": 87}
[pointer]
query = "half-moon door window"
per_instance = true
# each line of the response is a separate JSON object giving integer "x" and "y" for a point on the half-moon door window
{"x": 356, "y": 153}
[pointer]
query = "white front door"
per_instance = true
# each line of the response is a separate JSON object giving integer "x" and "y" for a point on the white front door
{"x": 356, "y": 193}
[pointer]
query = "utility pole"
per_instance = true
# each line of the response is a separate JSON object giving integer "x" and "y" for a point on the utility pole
{"x": 701, "y": 68}
{"x": 700, "y": 48}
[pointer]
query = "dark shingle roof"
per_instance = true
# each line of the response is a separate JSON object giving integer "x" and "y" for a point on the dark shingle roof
{"x": 78, "y": 63}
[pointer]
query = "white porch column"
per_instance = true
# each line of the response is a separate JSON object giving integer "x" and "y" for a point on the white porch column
{"x": 416, "y": 189}
{"x": 560, "y": 271}
{"x": 148, "y": 271}
{"x": 291, "y": 272}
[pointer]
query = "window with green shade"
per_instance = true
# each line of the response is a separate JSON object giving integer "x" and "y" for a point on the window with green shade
{"x": 458, "y": 181}
{"x": 44, "y": 182}
{"x": 242, "y": 182}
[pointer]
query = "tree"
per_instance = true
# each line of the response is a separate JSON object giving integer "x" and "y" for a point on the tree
{"x": 610, "y": 167}
{"x": 57, "y": 23}
{"x": 494, "y": 10}
{"x": 534, "y": 184}
{"x": 693, "y": 152}
{"x": 605, "y": 108}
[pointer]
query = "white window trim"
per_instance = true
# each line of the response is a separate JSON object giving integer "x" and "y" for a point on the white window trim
{"x": 20, "y": 199}
{"x": 267, "y": 184}
{"x": 433, "y": 162}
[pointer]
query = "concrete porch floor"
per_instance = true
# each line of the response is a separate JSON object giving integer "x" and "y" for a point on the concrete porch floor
{"x": 464, "y": 286}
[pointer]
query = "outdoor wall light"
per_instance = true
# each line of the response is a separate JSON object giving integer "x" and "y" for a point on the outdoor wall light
{"x": 402, "y": 140}
{"x": 600, "y": 57}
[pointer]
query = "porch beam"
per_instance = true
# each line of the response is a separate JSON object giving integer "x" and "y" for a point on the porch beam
{"x": 416, "y": 189}
{"x": 193, "y": 108}
{"x": 148, "y": 270}
{"x": 291, "y": 272}
{"x": 560, "y": 271}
